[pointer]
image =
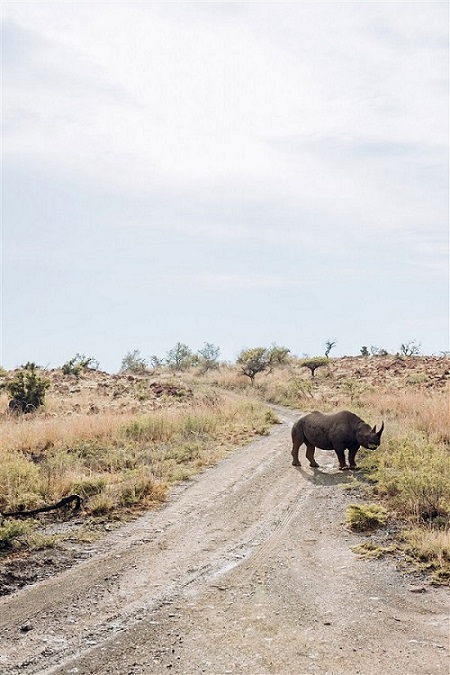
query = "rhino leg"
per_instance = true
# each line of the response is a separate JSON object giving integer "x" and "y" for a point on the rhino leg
{"x": 351, "y": 457}
{"x": 341, "y": 458}
{"x": 295, "y": 448}
{"x": 310, "y": 449}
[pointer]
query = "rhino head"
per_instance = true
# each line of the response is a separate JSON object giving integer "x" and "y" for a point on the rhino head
{"x": 370, "y": 438}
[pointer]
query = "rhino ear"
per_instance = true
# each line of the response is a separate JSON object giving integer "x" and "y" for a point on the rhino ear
{"x": 374, "y": 430}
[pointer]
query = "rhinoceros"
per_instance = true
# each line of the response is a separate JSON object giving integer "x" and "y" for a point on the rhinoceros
{"x": 338, "y": 432}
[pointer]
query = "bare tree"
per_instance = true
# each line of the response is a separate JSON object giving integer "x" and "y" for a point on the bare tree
{"x": 329, "y": 345}
{"x": 410, "y": 348}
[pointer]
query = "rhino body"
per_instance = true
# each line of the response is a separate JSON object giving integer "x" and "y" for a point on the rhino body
{"x": 339, "y": 432}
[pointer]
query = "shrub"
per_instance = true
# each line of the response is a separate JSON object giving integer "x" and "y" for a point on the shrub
{"x": 180, "y": 357}
{"x": 27, "y": 390}
{"x": 378, "y": 351}
{"x": 134, "y": 362}
{"x": 77, "y": 364}
{"x": 208, "y": 357}
{"x": 362, "y": 517}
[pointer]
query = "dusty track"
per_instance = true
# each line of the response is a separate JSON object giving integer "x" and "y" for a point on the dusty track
{"x": 248, "y": 569}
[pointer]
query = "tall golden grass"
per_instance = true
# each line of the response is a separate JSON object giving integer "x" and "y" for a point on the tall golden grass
{"x": 117, "y": 460}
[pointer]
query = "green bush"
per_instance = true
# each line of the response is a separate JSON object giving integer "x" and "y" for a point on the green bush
{"x": 77, "y": 364}
{"x": 27, "y": 389}
{"x": 133, "y": 362}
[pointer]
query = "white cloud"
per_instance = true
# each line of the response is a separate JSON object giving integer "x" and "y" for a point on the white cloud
{"x": 307, "y": 140}
{"x": 124, "y": 94}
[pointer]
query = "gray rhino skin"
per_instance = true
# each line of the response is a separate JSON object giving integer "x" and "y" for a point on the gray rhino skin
{"x": 338, "y": 432}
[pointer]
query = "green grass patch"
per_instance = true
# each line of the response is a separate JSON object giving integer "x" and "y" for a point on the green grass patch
{"x": 361, "y": 517}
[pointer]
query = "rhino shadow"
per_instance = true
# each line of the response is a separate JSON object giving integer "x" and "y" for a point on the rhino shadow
{"x": 321, "y": 477}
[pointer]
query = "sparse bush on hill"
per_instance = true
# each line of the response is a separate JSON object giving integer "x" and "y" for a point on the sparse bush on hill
{"x": 208, "y": 357}
{"x": 27, "y": 390}
{"x": 410, "y": 348}
{"x": 314, "y": 363}
{"x": 279, "y": 356}
{"x": 78, "y": 363}
{"x": 259, "y": 359}
{"x": 253, "y": 361}
{"x": 378, "y": 351}
{"x": 134, "y": 362}
{"x": 180, "y": 357}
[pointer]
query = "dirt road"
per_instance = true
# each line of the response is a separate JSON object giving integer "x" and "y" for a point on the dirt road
{"x": 247, "y": 569}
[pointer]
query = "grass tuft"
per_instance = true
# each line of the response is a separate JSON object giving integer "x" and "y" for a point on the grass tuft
{"x": 361, "y": 517}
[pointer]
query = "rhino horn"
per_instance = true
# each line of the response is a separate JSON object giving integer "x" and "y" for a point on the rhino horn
{"x": 381, "y": 430}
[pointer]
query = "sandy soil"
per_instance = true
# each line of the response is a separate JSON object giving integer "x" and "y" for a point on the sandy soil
{"x": 247, "y": 569}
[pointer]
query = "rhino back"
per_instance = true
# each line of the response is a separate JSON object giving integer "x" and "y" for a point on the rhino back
{"x": 316, "y": 429}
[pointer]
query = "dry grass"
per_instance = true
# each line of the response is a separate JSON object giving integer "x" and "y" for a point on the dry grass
{"x": 117, "y": 461}
{"x": 111, "y": 440}
{"x": 410, "y": 472}
{"x": 431, "y": 549}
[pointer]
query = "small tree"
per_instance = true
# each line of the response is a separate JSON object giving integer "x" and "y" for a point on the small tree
{"x": 78, "y": 363}
{"x": 314, "y": 363}
{"x": 378, "y": 351}
{"x": 254, "y": 361}
{"x": 208, "y": 357}
{"x": 156, "y": 361}
{"x": 410, "y": 348}
{"x": 364, "y": 351}
{"x": 180, "y": 357}
{"x": 278, "y": 356}
{"x": 27, "y": 389}
{"x": 134, "y": 362}
{"x": 329, "y": 345}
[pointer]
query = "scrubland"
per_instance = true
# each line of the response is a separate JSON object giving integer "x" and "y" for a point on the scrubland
{"x": 120, "y": 441}
{"x": 409, "y": 474}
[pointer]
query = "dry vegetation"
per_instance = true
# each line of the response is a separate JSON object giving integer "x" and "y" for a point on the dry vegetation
{"x": 410, "y": 472}
{"x": 120, "y": 441}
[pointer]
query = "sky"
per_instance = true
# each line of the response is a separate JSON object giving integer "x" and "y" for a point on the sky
{"x": 237, "y": 173}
